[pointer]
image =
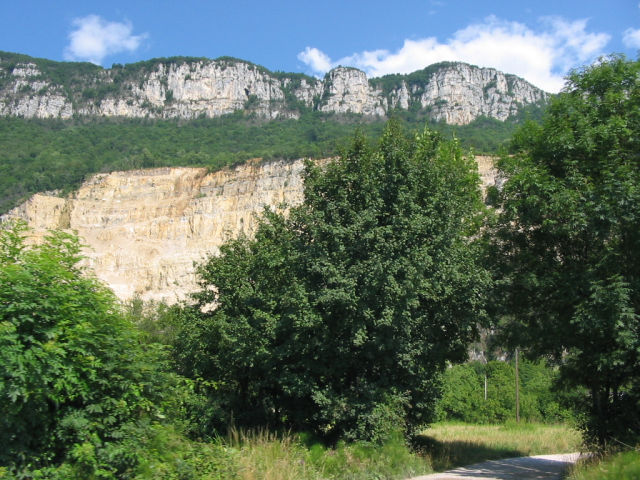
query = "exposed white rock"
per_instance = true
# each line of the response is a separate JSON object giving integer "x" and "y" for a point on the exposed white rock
{"x": 458, "y": 94}
{"x": 25, "y": 70}
{"x": 145, "y": 228}
{"x": 400, "y": 98}
{"x": 455, "y": 93}
{"x": 307, "y": 92}
{"x": 38, "y": 106}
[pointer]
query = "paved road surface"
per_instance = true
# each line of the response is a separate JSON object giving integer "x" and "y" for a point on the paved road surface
{"x": 540, "y": 467}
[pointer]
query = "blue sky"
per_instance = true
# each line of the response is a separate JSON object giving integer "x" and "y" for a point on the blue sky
{"x": 539, "y": 40}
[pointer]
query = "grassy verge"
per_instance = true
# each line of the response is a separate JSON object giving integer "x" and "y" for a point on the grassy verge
{"x": 623, "y": 466}
{"x": 449, "y": 445}
{"x": 263, "y": 455}
{"x": 162, "y": 453}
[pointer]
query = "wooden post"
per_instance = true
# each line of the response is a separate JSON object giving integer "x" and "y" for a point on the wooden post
{"x": 517, "y": 390}
{"x": 485, "y": 385}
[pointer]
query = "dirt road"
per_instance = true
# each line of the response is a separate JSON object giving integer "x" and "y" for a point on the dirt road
{"x": 547, "y": 467}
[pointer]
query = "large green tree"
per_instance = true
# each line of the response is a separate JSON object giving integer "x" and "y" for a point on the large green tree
{"x": 568, "y": 242}
{"x": 341, "y": 316}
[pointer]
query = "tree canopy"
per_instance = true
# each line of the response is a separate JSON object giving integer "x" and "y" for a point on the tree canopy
{"x": 341, "y": 315}
{"x": 568, "y": 240}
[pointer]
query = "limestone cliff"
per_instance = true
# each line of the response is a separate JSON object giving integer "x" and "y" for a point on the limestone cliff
{"x": 144, "y": 229}
{"x": 185, "y": 88}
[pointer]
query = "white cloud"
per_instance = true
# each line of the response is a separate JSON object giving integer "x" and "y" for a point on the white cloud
{"x": 94, "y": 38}
{"x": 317, "y": 60}
{"x": 631, "y": 38}
{"x": 542, "y": 57}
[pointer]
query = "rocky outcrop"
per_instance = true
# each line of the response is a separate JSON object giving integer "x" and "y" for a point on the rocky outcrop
{"x": 186, "y": 88}
{"x": 458, "y": 94}
{"x": 347, "y": 90}
{"x": 144, "y": 229}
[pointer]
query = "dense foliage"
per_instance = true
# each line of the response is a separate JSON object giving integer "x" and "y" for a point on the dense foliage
{"x": 80, "y": 395}
{"x": 463, "y": 397}
{"x": 340, "y": 317}
{"x": 568, "y": 238}
{"x": 44, "y": 155}
{"x": 85, "y": 395}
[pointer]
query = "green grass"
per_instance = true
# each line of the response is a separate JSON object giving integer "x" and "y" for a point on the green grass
{"x": 622, "y": 466}
{"x": 454, "y": 444}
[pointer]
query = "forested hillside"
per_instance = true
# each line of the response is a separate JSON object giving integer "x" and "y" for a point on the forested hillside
{"x": 41, "y": 155}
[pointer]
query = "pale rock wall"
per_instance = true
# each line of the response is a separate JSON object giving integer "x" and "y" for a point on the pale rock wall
{"x": 33, "y": 97}
{"x": 197, "y": 89}
{"x": 461, "y": 93}
{"x": 144, "y": 229}
{"x": 488, "y": 172}
{"x": 455, "y": 93}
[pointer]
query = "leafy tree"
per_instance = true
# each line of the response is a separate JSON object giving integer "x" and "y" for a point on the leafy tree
{"x": 568, "y": 240}
{"x": 74, "y": 380}
{"x": 341, "y": 316}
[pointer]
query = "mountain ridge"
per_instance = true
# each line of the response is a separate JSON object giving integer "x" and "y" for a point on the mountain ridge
{"x": 193, "y": 87}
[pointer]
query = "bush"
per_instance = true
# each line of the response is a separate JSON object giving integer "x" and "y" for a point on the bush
{"x": 78, "y": 389}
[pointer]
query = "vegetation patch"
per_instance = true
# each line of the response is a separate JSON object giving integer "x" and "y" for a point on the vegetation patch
{"x": 622, "y": 466}
{"x": 451, "y": 445}
{"x": 43, "y": 155}
{"x": 477, "y": 392}
{"x": 266, "y": 455}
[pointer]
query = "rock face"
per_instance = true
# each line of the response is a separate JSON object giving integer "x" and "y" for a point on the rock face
{"x": 460, "y": 93}
{"x": 186, "y": 88}
{"x": 144, "y": 229}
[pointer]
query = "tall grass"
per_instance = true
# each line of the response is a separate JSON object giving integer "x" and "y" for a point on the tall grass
{"x": 265, "y": 455}
{"x": 261, "y": 454}
{"x": 449, "y": 445}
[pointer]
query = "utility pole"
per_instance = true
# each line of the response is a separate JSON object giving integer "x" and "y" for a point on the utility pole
{"x": 517, "y": 390}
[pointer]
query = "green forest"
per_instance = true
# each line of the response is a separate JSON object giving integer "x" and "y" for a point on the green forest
{"x": 325, "y": 345}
